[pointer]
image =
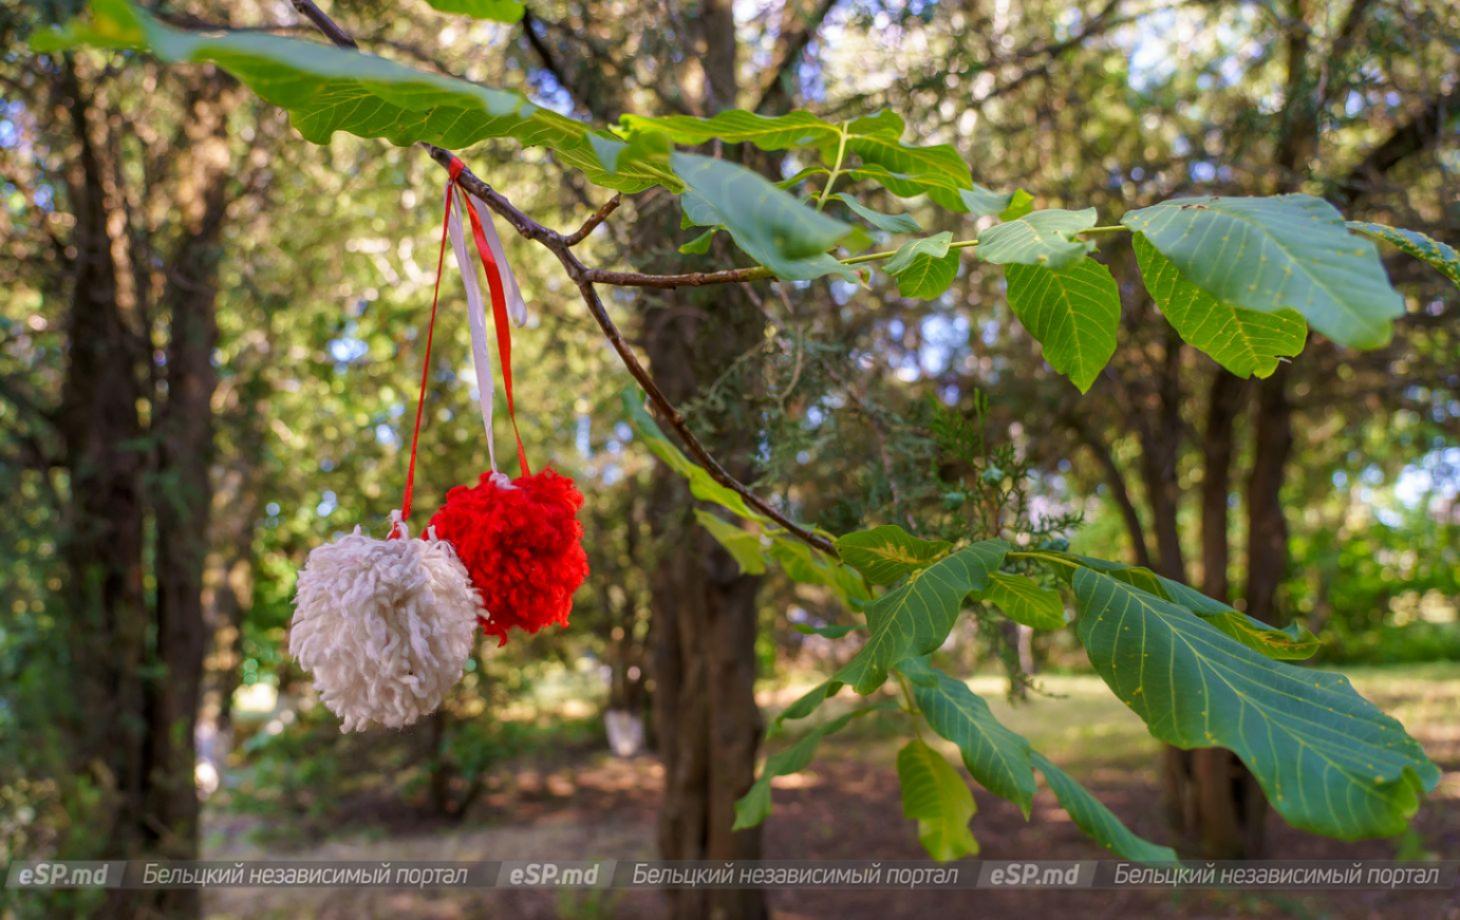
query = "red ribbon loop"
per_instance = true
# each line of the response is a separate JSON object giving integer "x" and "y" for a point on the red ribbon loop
{"x": 405, "y": 502}
{"x": 493, "y": 272}
{"x": 499, "y": 319}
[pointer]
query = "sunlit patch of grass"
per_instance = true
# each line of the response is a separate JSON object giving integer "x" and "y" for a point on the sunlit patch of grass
{"x": 1425, "y": 698}
{"x": 1077, "y": 722}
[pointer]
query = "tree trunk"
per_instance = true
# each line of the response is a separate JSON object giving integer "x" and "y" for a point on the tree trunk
{"x": 137, "y": 670}
{"x": 1160, "y": 435}
{"x": 703, "y": 633}
{"x": 183, "y": 493}
{"x": 1216, "y": 807}
{"x": 707, "y": 724}
{"x": 1267, "y": 524}
{"x": 101, "y": 535}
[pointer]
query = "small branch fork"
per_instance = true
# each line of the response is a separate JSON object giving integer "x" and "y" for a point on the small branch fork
{"x": 584, "y": 278}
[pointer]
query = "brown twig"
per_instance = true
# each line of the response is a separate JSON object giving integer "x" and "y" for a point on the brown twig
{"x": 685, "y": 279}
{"x": 323, "y": 23}
{"x": 585, "y": 279}
{"x": 594, "y": 219}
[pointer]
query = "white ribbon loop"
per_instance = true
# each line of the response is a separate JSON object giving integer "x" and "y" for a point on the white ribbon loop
{"x": 516, "y": 306}
{"x": 477, "y": 315}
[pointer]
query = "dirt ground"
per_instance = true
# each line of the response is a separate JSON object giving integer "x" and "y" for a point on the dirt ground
{"x": 842, "y": 808}
{"x": 847, "y": 805}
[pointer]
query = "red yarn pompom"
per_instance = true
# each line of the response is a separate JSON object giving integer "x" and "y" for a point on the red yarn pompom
{"x": 521, "y": 544}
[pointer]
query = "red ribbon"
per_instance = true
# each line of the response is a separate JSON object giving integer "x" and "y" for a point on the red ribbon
{"x": 405, "y": 502}
{"x": 499, "y": 318}
{"x": 499, "y": 309}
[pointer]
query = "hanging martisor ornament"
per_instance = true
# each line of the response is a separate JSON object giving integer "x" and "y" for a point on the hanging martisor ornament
{"x": 520, "y": 539}
{"x": 385, "y": 626}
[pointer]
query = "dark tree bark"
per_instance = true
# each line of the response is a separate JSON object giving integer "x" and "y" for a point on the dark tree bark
{"x": 1267, "y": 524}
{"x": 1224, "y": 403}
{"x": 101, "y": 536}
{"x": 138, "y": 652}
{"x": 182, "y": 503}
{"x": 229, "y": 580}
{"x": 1159, "y": 426}
{"x": 1216, "y": 806}
{"x": 707, "y": 724}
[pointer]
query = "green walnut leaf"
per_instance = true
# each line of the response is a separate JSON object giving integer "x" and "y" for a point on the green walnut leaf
{"x": 1246, "y": 342}
{"x": 834, "y": 631}
{"x": 886, "y": 553}
{"x": 736, "y": 126}
{"x": 874, "y": 140}
{"x": 700, "y": 244}
{"x": 1291, "y": 643}
{"x": 1020, "y": 203}
{"x": 889, "y": 223}
{"x": 744, "y": 546}
{"x": 1092, "y": 817}
{"x": 984, "y": 202}
{"x": 924, "y": 268}
{"x": 767, "y": 223}
{"x": 906, "y": 185}
{"x": 994, "y": 756}
{"x": 934, "y": 795}
{"x": 1025, "y": 602}
{"x": 978, "y": 201}
{"x": 1269, "y": 254}
{"x": 907, "y": 169}
{"x": 327, "y": 89}
{"x": 1044, "y": 238}
{"x": 805, "y": 705}
{"x": 1073, "y": 313}
{"x": 1442, "y": 257}
{"x": 803, "y": 564}
{"x": 755, "y": 806}
{"x": 508, "y": 11}
{"x": 1328, "y": 760}
{"x": 914, "y": 618}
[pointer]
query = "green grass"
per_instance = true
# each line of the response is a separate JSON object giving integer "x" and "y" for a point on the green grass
{"x": 1078, "y": 723}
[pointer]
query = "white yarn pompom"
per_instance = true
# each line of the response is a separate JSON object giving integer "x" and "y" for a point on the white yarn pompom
{"x": 384, "y": 625}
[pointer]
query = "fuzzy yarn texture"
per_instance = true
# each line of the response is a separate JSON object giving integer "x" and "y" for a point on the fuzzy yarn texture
{"x": 385, "y": 627}
{"x": 522, "y": 544}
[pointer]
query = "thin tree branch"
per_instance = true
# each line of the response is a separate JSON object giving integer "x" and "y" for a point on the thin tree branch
{"x": 559, "y": 246}
{"x": 323, "y": 23}
{"x": 684, "y": 279}
{"x": 594, "y": 219}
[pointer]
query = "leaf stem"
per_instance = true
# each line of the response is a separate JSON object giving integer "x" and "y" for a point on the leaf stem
{"x": 889, "y": 253}
{"x": 908, "y": 704}
{"x": 1042, "y": 556}
{"x": 836, "y": 168}
{"x": 1110, "y": 228}
{"x": 729, "y": 275}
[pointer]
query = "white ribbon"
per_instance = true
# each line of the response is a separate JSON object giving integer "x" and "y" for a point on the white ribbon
{"x": 477, "y": 315}
{"x": 516, "y": 306}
